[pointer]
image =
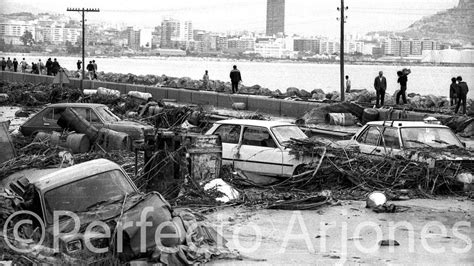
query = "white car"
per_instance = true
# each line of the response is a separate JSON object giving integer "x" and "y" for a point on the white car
{"x": 408, "y": 138}
{"x": 258, "y": 147}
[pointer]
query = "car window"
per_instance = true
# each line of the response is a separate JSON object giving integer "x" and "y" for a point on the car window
{"x": 229, "y": 133}
{"x": 390, "y": 135}
{"x": 94, "y": 118}
{"x": 415, "y": 137}
{"x": 371, "y": 136}
{"x": 53, "y": 113}
{"x": 257, "y": 136}
{"x": 83, "y": 112}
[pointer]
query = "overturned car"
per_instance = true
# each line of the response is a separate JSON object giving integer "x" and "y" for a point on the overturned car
{"x": 93, "y": 213}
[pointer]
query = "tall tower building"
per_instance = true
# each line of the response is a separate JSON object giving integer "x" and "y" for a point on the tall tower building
{"x": 275, "y": 17}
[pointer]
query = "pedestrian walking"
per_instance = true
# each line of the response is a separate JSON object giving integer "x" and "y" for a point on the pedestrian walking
{"x": 56, "y": 67}
{"x": 15, "y": 65}
{"x": 348, "y": 84}
{"x": 95, "y": 69}
{"x": 79, "y": 63}
{"x": 402, "y": 79}
{"x": 205, "y": 80}
{"x": 9, "y": 64}
{"x": 3, "y": 63}
{"x": 90, "y": 70}
{"x": 40, "y": 67}
{"x": 235, "y": 78}
{"x": 23, "y": 64}
{"x": 49, "y": 67}
{"x": 380, "y": 85}
{"x": 452, "y": 91}
{"x": 462, "y": 91}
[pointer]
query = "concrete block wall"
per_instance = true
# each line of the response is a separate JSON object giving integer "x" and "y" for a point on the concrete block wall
{"x": 261, "y": 104}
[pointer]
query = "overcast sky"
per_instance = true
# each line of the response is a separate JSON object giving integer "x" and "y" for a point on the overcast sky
{"x": 308, "y": 17}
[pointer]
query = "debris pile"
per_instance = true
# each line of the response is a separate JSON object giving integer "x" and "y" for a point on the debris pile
{"x": 28, "y": 94}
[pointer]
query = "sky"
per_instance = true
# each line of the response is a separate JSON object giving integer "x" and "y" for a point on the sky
{"x": 304, "y": 17}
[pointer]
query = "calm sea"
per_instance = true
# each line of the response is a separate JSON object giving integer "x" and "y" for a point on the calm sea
{"x": 281, "y": 75}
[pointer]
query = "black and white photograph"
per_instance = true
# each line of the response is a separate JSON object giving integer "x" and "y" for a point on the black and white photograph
{"x": 236, "y": 132}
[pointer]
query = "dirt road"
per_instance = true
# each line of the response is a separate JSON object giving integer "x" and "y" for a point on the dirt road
{"x": 429, "y": 232}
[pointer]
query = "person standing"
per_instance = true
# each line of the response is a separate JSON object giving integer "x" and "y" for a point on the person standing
{"x": 56, "y": 67}
{"x": 23, "y": 65}
{"x": 462, "y": 91}
{"x": 348, "y": 84}
{"x": 15, "y": 65}
{"x": 453, "y": 91}
{"x": 49, "y": 67}
{"x": 235, "y": 78}
{"x": 380, "y": 85}
{"x": 205, "y": 80}
{"x": 40, "y": 67}
{"x": 34, "y": 68}
{"x": 90, "y": 70}
{"x": 9, "y": 64}
{"x": 402, "y": 79}
{"x": 3, "y": 63}
{"x": 79, "y": 63}
{"x": 95, "y": 69}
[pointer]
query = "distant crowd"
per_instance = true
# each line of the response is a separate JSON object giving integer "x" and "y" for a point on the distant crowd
{"x": 50, "y": 68}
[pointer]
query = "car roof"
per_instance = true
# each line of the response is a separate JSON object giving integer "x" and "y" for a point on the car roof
{"x": 76, "y": 105}
{"x": 405, "y": 124}
{"x": 253, "y": 122}
{"x": 71, "y": 174}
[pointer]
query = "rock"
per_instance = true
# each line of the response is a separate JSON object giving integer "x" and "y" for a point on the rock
{"x": 266, "y": 92}
{"x": 276, "y": 93}
{"x": 389, "y": 99}
{"x": 292, "y": 91}
{"x": 319, "y": 91}
{"x": 412, "y": 94}
{"x": 304, "y": 94}
{"x": 318, "y": 96}
{"x": 22, "y": 113}
{"x": 254, "y": 90}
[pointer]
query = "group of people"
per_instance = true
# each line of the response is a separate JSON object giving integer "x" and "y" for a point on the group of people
{"x": 235, "y": 79}
{"x": 91, "y": 69}
{"x": 50, "y": 67}
{"x": 458, "y": 93}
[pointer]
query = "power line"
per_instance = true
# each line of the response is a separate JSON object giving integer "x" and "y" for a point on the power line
{"x": 83, "y": 10}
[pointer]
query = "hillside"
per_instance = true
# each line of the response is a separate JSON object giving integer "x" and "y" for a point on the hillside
{"x": 453, "y": 25}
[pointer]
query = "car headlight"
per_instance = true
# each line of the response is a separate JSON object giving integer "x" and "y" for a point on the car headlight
{"x": 74, "y": 246}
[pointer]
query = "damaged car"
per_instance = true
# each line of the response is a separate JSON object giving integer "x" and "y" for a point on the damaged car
{"x": 259, "y": 147}
{"x": 93, "y": 213}
{"x": 98, "y": 115}
{"x": 422, "y": 141}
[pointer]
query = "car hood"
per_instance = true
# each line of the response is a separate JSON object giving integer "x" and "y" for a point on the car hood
{"x": 129, "y": 123}
{"x": 454, "y": 154}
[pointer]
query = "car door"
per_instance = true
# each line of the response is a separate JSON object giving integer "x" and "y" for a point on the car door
{"x": 259, "y": 153}
{"x": 369, "y": 141}
{"x": 230, "y": 137}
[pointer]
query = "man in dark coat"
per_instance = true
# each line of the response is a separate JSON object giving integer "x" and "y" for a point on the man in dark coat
{"x": 9, "y": 64}
{"x": 402, "y": 79}
{"x": 79, "y": 63}
{"x": 15, "y": 65}
{"x": 380, "y": 85}
{"x": 49, "y": 67}
{"x": 235, "y": 78}
{"x": 461, "y": 92}
{"x": 56, "y": 67}
{"x": 3, "y": 64}
{"x": 452, "y": 91}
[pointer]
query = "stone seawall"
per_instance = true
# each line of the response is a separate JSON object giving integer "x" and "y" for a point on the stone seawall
{"x": 263, "y": 104}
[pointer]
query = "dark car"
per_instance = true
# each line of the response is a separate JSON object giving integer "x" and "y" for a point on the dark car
{"x": 98, "y": 115}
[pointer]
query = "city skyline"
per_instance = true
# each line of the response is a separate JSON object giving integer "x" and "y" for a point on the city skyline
{"x": 301, "y": 17}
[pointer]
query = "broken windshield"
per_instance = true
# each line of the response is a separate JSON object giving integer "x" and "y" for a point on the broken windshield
{"x": 107, "y": 115}
{"x": 286, "y": 133}
{"x": 79, "y": 196}
{"x": 429, "y": 137}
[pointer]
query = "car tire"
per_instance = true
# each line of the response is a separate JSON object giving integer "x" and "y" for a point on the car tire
{"x": 299, "y": 169}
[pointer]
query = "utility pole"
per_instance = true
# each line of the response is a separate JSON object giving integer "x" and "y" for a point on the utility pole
{"x": 83, "y": 10}
{"x": 341, "y": 47}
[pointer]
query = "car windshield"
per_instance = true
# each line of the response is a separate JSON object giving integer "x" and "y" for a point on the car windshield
{"x": 429, "y": 137}
{"x": 286, "y": 133}
{"x": 107, "y": 115}
{"x": 86, "y": 193}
